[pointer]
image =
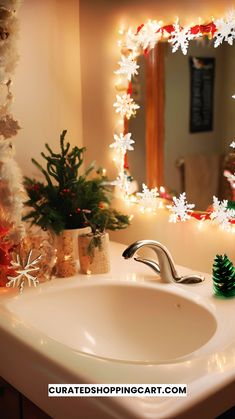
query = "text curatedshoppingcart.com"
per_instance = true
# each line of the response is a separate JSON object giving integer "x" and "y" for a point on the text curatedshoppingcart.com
{"x": 117, "y": 390}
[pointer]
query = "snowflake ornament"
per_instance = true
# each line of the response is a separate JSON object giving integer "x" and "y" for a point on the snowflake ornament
{"x": 230, "y": 177}
{"x": 232, "y": 144}
{"x": 123, "y": 142}
{"x": 125, "y": 105}
{"x": 128, "y": 66}
{"x": 148, "y": 198}
{"x": 24, "y": 269}
{"x": 221, "y": 214}
{"x": 180, "y": 38}
{"x": 149, "y": 34}
{"x": 225, "y": 30}
{"x": 180, "y": 210}
{"x": 131, "y": 40}
{"x": 123, "y": 183}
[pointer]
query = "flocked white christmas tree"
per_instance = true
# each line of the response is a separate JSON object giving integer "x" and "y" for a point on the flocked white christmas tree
{"x": 11, "y": 184}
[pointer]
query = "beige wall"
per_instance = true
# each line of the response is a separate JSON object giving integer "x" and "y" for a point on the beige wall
{"x": 47, "y": 81}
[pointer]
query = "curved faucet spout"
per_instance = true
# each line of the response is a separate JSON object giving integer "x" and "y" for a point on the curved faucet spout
{"x": 166, "y": 266}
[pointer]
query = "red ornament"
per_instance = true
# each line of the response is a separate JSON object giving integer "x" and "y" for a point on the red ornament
{"x": 3, "y": 231}
{"x": 167, "y": 28}
{"x": 36, "y": 187}
{"x": 139, "y": 28}
{"x": 201, "y": 215}
{"x": 129, "y": 90}
{"x": 103, "y": 205}
{"x": 209, "y": 28}
{"x": 4, "y": 257}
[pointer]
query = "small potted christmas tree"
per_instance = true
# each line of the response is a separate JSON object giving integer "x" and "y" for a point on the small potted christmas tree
{"x": 68, "y": 200}
{"x": 93, "y": 247}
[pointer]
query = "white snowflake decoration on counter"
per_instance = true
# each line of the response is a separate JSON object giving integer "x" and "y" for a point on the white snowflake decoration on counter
{"x": 123, "y": 142}
{"x": 221, "y": 214}
{"x": 128, "y": 66}
{"x": 225, "y": 30}
{"x": 149, "y": 34}
{"x": 125, "y": 105}
{"x": 180, "y": 210}
{"x": 180, "y": 38}
{"x": 148, "y": 198}
{"x": 24, "y": 268}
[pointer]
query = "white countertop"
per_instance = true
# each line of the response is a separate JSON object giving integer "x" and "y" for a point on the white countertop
{"x": 30, "y": 360}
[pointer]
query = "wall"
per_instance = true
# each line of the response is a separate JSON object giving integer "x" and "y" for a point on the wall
{"x": 179, "y": 142}
{"x": 191, "y": 243}
{"x": 47, "y": 81}
{"x": 229, "y": 90}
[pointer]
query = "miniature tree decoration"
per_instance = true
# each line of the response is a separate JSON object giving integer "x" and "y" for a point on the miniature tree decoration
{"x": 61, "y": 202}
{"x": 223, "y": 276}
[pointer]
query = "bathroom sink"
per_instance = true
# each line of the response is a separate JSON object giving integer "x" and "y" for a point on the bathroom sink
{"x": 120, "y": 327}
{"x": 120, "y": 321}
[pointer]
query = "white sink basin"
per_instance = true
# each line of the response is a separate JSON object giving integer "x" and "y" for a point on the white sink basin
{"x": 120, "y": 321}
{"x": 120, "y": 327}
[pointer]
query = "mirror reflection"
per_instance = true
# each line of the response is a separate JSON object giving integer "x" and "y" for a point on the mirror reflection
{"x": 186, "y": 121}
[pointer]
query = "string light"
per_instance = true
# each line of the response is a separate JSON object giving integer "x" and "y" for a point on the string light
{"x": 131, "y": 44}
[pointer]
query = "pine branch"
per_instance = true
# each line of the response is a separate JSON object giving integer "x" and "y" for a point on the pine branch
{"x": 43, "y": 171}
{"x": 60, "y": 202}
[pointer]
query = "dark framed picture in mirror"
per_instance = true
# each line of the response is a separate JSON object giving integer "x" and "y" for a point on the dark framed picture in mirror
{"x": 202, "y": 75}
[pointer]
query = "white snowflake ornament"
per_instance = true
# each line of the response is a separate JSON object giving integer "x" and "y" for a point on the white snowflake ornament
{"x": 24, "y": 269}
{"x": 180, "y": 210}
{"x": 125, "y": 105}
{"x": 180, "y": 38}
{"x": 149, "y": 34}
{"x": 221, "y": 214}
{"x": 131, "y": 40}
{"x": 230, "y": 177}
{"x": 232, "y": 145}
{"x": 128, "y": 66}
{"x": 148, "y": 198}
{"x": 123, "y": 183}
{"x": 123, "y": 142}
{"x": 225, "y": 30}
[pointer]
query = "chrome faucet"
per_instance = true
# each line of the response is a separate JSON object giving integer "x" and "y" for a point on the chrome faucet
{"x": 165, "y": 267}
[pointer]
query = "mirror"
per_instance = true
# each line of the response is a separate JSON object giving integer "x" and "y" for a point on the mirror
{"x": 187, "y": 109}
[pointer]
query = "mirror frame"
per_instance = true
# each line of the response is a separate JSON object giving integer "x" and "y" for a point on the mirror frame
{"x": 132, "y": 44}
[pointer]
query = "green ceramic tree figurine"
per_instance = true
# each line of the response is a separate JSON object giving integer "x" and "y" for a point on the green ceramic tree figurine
{"x": 223, "y": 276}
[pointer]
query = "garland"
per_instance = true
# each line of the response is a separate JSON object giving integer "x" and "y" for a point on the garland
{"x": 133, "y": 43}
